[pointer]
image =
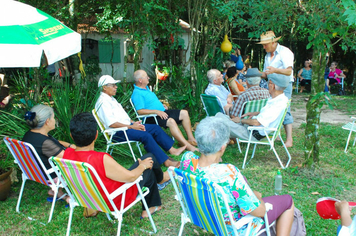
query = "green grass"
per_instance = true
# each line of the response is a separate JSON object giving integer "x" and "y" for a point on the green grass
{"x": 334, "y": 177}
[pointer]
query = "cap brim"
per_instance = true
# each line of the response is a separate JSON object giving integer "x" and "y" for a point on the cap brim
{"x": 270, "y": 41}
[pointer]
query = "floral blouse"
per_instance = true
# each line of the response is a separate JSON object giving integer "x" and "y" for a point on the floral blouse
{"x": 241, "y": 198}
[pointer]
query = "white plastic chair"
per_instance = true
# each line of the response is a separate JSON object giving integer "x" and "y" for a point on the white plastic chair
{"x": 81, "y": 187}
{"x": 271, "y": 135}
{"x": 32, "y": 168}
{"x": 352, "y": 128}
{"x": 109, "y": 134}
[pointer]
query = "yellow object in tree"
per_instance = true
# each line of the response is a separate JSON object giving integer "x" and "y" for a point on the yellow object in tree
{"x": 226, "y": 45}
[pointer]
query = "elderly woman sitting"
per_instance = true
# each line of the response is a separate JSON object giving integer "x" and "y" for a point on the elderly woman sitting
{"x": 212, "y": 136}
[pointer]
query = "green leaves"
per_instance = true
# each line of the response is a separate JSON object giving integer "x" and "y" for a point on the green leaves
{"x": 350, "y": 11}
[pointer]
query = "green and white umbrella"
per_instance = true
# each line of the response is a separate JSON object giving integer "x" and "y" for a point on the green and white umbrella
{"x": 27, "y": 33}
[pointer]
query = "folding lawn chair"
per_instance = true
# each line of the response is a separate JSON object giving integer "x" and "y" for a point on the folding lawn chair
{"x": 268, "y": 140}
{"x": 350, "y": 126}
{"x": 212, "y": 104}
{"x": 199, "y": 199}
{"x": 252, "y": 106}
{"x": 109, "y": 134}
{"x": 32, "y": 168}
{"x": 143, "y": 117}
{"x": 80, "y": 179}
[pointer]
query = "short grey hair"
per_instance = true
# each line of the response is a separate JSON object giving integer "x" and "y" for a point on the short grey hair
{"x": 138, "y": 75}
{"x": 211, "y": 134}
{"x": 211, "y": 74}
{"x": 229, "y": 64}
{"x": 43, "y": 113}
{"x": 278, "y": 88}
{"x": 253, "y": 80}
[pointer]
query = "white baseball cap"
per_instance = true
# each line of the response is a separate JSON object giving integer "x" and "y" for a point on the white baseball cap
{"x": 107, "y": 79}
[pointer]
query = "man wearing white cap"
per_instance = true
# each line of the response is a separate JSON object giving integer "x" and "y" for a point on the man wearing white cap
{"x": 112, "y": 115}
{"x": 279, "y": 60}
{"x": 269, "y": 116}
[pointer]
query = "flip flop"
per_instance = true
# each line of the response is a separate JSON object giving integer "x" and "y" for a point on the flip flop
{"x": 61, "y": 198}
{"x": 162, "y": 186}
{"x": 156, "y": 209}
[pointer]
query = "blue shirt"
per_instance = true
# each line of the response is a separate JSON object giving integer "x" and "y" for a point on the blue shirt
{"x": 218, "y": 90}
{"x": 146, "y": 99}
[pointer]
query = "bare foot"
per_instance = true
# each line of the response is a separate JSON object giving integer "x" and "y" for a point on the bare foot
{"x": 152, "y": 211}
{"x": 165, "y": 177}
{"x": 172, "y": 162}
{"x": 177, "y": 151}
{"x": 289, "y": 143}
{"x": 192, "y": 148}
{"x": 192, "y": 142}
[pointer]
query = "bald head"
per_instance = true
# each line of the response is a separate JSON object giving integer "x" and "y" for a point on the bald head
{"x": 139, "y": 74}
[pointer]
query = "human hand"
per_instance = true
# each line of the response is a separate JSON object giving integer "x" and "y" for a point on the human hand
{"x": 163, "y": 115}
{"x": 238, "y": 51}
{"x": 270, "y": 70}
{"x": 229, "y": 100}
{"x": 343, "y": 208}
{"x": 258, "y": 194}
{"x": 138, "y": 126}
{"x": 236, "y": 119}
{"x": 147, "y": 163}
{"x": 165, "y": 106}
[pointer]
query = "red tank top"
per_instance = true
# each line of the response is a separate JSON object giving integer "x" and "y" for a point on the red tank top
{"x": 96, "y": 160}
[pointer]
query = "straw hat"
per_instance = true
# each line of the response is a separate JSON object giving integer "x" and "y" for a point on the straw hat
{"x": 268, "y": 37}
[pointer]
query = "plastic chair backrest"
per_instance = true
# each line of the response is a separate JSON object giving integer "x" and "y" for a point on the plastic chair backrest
{"x": 101, "y": 126}
{"x": 81, "y": 183}
{"x": 253, "y": 106}
{"x": 28, "y": 160}
{"x": 201, "y": 201}
{"x": 212, "y": 104}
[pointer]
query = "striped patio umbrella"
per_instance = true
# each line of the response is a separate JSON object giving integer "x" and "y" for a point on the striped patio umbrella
{"x": 27, "y": 33}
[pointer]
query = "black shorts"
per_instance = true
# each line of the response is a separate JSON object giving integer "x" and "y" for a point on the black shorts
{"x": 332, "y": 81}
{"x": 174, "y": 114}
{"x": 304, "y": 82}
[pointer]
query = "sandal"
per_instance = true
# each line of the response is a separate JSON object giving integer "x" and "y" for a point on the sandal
{"x": 155, "y": 210}
{"x": 162, "y": 186}
{"x": 61, "y": 198}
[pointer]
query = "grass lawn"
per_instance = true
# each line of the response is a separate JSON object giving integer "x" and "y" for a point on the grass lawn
{"x": 334, "y": 177}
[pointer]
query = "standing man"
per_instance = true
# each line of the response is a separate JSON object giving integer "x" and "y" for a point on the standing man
{"x": 279, "y": 60}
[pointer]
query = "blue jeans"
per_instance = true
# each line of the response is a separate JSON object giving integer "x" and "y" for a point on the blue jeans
{"x": 288, "y": 119}
{"x": 153, "y": 139}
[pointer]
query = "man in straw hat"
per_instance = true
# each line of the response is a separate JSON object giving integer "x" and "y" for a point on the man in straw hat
{"x": 279, "y": 60}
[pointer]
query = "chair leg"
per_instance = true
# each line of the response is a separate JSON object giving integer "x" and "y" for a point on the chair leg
{"x": 253, "y": 152}
{"x": 348, "y": 140}
{"x": 53, "y": 204}
{"x": 246, "y": 154}
{"x": 71, "y": 206}
{"x": 183, "y": 221}
{"x": 119, "y": 218}
{"x": 147, "y": 210}
{"x": 139, "y": 149}
{"x": 24, "y": 178}
{"x": 238, "y": 145}
{"x": 279, "y": 160}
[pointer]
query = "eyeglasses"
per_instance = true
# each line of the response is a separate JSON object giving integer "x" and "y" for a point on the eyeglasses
{"x": 112, "y": 85}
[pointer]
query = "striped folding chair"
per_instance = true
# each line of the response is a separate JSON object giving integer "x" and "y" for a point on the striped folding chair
{"x": 32, "y": 168}
{"x": 271, "y": 135}
{"x": 109, "y": 134}
{"x": 252, "y": 106}
{"x": 80, "y": 183}
{"x": 212, "y": 104}
{"x": 352, "y": 128}
{"x": 199, "y": 200}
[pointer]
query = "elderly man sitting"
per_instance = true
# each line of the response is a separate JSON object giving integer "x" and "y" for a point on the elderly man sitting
{"x": 254, "y": 91}
{"x": 269, "y": 116}
{"x": 113, "y": 115}
{"x": 146, "y": 102}
{"x": 216, "y": 88}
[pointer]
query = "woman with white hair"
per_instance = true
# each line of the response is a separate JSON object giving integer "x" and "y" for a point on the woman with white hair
{"x": 212, "y": 135}
{"x": 41, "y": 121}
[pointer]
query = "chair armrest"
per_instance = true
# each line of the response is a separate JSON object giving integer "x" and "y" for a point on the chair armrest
{"x": 124, "y": 187}
{"x": 261, "y": 128}
{"x": 235, "y": 96}
{"x": 148, "y": 115}
{"x": 353, "y": 118}
{"x": 111, "y": 130}
{"x": 243, "y": 221}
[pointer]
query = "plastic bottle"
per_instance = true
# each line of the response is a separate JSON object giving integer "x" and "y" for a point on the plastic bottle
{"x": 278, "y": 183}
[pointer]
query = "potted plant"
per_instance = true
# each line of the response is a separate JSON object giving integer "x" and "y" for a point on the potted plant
{"x": 6, "y": 165}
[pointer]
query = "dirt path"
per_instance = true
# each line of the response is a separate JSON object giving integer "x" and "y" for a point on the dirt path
{"x": 328, "y": 116}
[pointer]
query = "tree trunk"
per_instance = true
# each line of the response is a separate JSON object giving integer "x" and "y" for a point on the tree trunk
{"x": 312, "y": 144}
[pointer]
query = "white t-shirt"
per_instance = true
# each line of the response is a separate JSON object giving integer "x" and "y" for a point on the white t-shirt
{"x": 110, "y": 111}
{"x": 282, "y": 59}
{"x": 271, "y": 113}
{"x": 350, "y": 230}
